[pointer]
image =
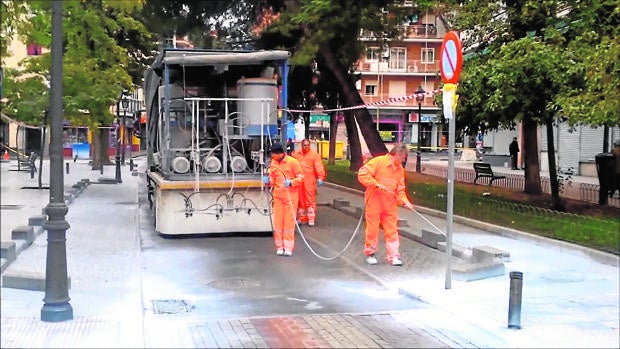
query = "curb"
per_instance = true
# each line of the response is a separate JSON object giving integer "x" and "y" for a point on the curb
{"x": 599, "y": 256}
{"x": 24, "y": 235}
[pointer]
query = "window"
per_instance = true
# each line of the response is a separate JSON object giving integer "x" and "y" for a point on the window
{"x": 371, "y": 90}
{"x": 428, "y": 55}
{"x": 372, "y": 53}
{"x": 398, "y": 60}
{"x": 34, "y": 50}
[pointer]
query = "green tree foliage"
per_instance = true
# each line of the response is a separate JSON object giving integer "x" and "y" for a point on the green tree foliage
{"x": 102, "y": 39}
{"x": 527, "y": 58}
{"x": 13, "y": 20}
{"x": 593, "y": 28}
{"x": 207, "y": 23}
{"x": 327, "y": 30}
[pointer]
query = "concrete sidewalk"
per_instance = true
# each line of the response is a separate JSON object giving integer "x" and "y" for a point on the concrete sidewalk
{"x": 570, "y": 294}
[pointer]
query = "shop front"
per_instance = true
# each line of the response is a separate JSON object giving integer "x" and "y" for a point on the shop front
{"x": 427, "y": 131}
{"x": 390, "y": 125}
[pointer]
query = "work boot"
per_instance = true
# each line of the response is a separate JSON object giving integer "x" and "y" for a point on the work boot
{"x": 301, "y": 216}
{"x": 311, "y": 216}
{"x": 372, "y": 260}
{"x": 288, "y": 253}
{"x": 280, "y": 252}
{"x": 396, "y": 262}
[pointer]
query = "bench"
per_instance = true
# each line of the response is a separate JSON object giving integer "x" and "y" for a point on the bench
{"x": 29, "y": 164}
{"x": 483, "y": 170}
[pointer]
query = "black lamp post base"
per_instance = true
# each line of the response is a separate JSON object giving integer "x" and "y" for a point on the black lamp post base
{"x": 418, "y": 165}
{"x": 56, "y": 312}
{"x": 118, "y": 171}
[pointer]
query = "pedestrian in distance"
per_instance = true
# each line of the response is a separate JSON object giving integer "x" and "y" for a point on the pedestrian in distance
{"x": 290, "y": 146}
{"x": 384, "y": 179}
{"x": 514, "y": 153}
{"x": 314, "y": 174}
{"x": 285, "y": 175}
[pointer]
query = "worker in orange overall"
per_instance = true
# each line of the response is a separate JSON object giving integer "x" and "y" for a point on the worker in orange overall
{"x": 285, "y": 175}
{"x": 384, "y": 179}
{"x": 314, "y": 174}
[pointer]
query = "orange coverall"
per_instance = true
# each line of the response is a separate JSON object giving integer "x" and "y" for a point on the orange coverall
{"x": 312, "y": 164}
{"x": 285, "y": 200}
{"x": 382, "y": 205}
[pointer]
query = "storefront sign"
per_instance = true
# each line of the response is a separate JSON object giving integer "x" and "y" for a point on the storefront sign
{"x": 319, "y": 120}
{"x": 413, "y": 117}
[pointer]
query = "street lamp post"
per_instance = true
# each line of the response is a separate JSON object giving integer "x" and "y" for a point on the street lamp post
{"x": 419, "y": 96}
{"x": 125, "y": 105}
{"x": 121, "y": 101}
{"x": 56, "y": 305}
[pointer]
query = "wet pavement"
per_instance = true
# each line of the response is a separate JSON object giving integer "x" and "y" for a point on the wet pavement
{"x": 570, "y": 294}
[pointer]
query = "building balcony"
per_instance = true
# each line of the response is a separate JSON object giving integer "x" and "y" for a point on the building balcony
{"x": 407, "y": 104}
{"x": 394, "y": 67}
{"x": 407, "y": 32}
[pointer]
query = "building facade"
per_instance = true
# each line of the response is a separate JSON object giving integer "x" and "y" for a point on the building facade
{"x": 398, "y": 67}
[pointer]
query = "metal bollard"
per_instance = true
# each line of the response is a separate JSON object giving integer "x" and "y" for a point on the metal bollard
{"x": 101, "y": 169}
{"x": 67, "y": 167}
{"x": 514, "y": 303}
{"x": 130, "y": 164}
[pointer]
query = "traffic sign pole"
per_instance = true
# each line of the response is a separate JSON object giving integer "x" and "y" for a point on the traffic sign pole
{"x": 451, "y": 62}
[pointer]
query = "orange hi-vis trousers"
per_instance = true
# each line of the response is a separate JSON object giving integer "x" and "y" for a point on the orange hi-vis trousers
{"x": 381, "y": 207}
{"x": 285, "y": 200}
{"x": 381, "y": 210}
{"x": 313, "y": 168}
{"x": 283, "y": 220}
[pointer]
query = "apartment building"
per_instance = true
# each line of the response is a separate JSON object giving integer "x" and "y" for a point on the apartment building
{"x": 403, "y": 66}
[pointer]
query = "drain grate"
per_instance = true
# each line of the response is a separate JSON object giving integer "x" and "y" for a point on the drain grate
{"x": 171, "y": 306}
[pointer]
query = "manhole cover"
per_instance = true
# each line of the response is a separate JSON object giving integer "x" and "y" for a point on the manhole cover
{"x": 562, "y": 276}
{"x": 171, "y": 306}
{"x": 233, "y": 284}
{"x": 10, "y": 207}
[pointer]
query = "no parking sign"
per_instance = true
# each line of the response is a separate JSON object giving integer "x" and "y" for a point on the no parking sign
{"x": 451, "y": 58}
{"x": 450, "y": 64}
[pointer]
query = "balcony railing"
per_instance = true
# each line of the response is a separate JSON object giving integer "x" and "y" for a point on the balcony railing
{"x": 395, "y": 66}
{"x": 407, "y": 31}
{"x": 410, "y": 103}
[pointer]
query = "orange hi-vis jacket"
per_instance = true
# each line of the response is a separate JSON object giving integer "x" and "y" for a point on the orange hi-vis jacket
{"x": 279, "y": 171}
{"x": 312, "y": 164}
{"x": 382, "y": 170}
{"x": 382, "y": 205}
{"x": 285, "y": 200}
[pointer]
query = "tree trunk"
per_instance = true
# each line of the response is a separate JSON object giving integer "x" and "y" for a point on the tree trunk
{"x": 553, "y": 173}
{"x": 353, "y": 98}
{"x": 355, "y": 147}
{"x": 42, "y": 151}
{"x": 101, "y": 145}
{"x": 333, "y": 129}
{"x": 530, "y": 150}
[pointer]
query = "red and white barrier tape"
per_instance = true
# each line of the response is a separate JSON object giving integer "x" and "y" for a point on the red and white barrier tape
{"x": 373, "y": 104}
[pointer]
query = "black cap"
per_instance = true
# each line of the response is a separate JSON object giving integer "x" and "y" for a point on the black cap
{"x": 276, "y": 148}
